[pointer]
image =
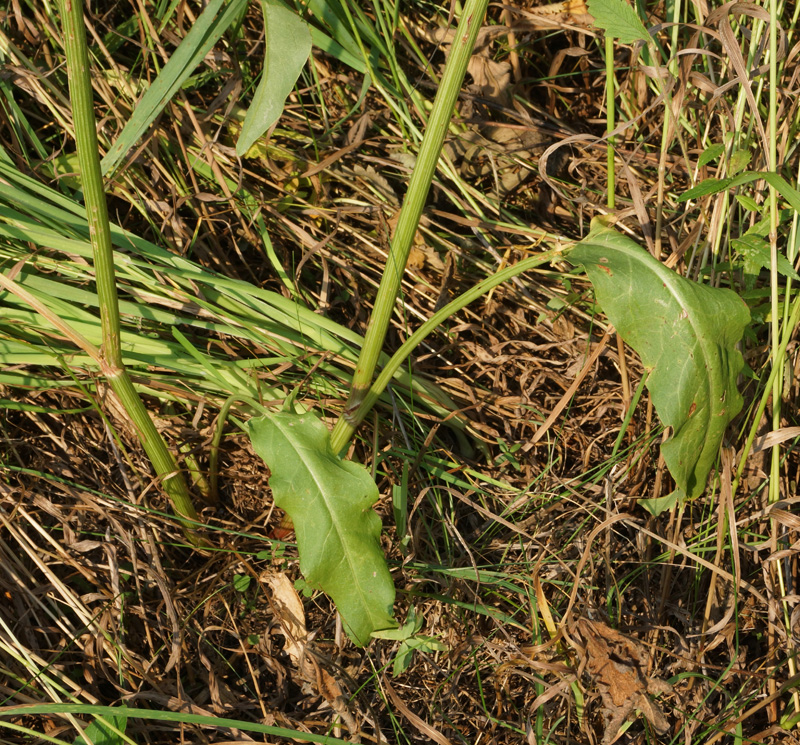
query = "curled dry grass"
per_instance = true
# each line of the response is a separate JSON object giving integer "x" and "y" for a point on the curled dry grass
{"x": 539, "y": 526}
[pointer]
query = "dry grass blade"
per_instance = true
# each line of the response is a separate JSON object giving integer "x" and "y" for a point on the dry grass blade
{"x": 419, "y": 724}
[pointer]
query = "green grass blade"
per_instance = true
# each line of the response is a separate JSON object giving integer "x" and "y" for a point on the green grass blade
{"x": 210, "y": 26}
{"x": 179, "y": 717}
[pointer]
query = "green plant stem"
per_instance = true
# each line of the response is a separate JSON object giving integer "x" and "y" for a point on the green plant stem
{"x": 610, "y": 119}
{"x": 777, "y": 361}
{"x": 111, "y": 362}
{"x": 213, "y": 458}
{"x": 399, "y": 357}
{"x": 418, "y": 187}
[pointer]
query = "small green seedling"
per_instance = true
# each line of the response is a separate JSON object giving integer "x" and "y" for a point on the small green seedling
{"x": 241, "y": 582}
{"x": 410, "y": 641}
{"x": 507, "y": 454}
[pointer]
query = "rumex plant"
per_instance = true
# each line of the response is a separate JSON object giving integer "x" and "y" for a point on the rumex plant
{"x": 690, "y": 354}
{"x": 329, "y": 499}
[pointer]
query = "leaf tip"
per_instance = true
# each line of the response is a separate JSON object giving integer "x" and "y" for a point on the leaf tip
{"x": 602, "y": 222}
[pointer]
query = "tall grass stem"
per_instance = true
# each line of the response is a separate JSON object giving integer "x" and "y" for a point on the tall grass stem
{"x": 610, "y": 119}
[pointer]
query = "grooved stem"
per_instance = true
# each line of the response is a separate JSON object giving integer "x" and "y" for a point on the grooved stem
{"x": 111, "y": 363}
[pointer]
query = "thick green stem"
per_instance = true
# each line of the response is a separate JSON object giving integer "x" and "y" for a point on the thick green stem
{"x": 407, "y": 224}
{"x": 413, "y": 341}
{"x": 112, "y": 365}
{"x": 80, "y": 90}
{"x": 153, "y": 443}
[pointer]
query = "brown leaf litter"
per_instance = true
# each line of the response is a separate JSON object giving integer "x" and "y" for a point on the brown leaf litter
{"x": 617, "y": 664}
{"x": 290, "y": 612}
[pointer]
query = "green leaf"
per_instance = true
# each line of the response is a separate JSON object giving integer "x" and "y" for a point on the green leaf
{"x": 706, "y": 187}
{"x": 66, "y": 168}
{"x": 748, "y": 203}
{"x": 661, "y": 504}
{"x": 739, "y": 160}
{"x": 686, "y": 335}
{"x": 324, "y": 42}
{"x": 756, "y": 253}
{"x": 303, "y": 588}
{"x": 410, "y": 641}
{"x": 288, "y": 44}
{"x": 618, "y": 19}
{"x": 405, "y": 653}
{"x": 241, "y": 582}
{"x": 205, "y": 32}
{"x": 715, "y": 185}
{"x": 410, "y": 628}
{"x": 790, "y": 718}
{"x": 100, "y": 733}
{"x": 710, "y": 154}
{"x": 330, "y": 502}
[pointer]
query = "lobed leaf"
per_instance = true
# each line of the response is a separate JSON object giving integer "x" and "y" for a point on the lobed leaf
{"x": 686, "y": 334}
{"x": 330, "y": 502}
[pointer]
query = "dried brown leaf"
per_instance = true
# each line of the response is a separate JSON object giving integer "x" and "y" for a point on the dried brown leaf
{"x": 618, "y": 665}
{"x": 291, "y": 614}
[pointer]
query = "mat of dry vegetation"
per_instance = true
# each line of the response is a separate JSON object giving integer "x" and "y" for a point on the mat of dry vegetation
{"x": 550, "y": 606}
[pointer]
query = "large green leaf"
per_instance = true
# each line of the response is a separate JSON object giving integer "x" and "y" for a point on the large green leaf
{"x": 685, "y": 334}
{"x": 330, "y": 502}
{"x": 287, "y": 46}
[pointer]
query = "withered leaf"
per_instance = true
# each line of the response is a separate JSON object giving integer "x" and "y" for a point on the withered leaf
{"x": 618, "y": 666}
